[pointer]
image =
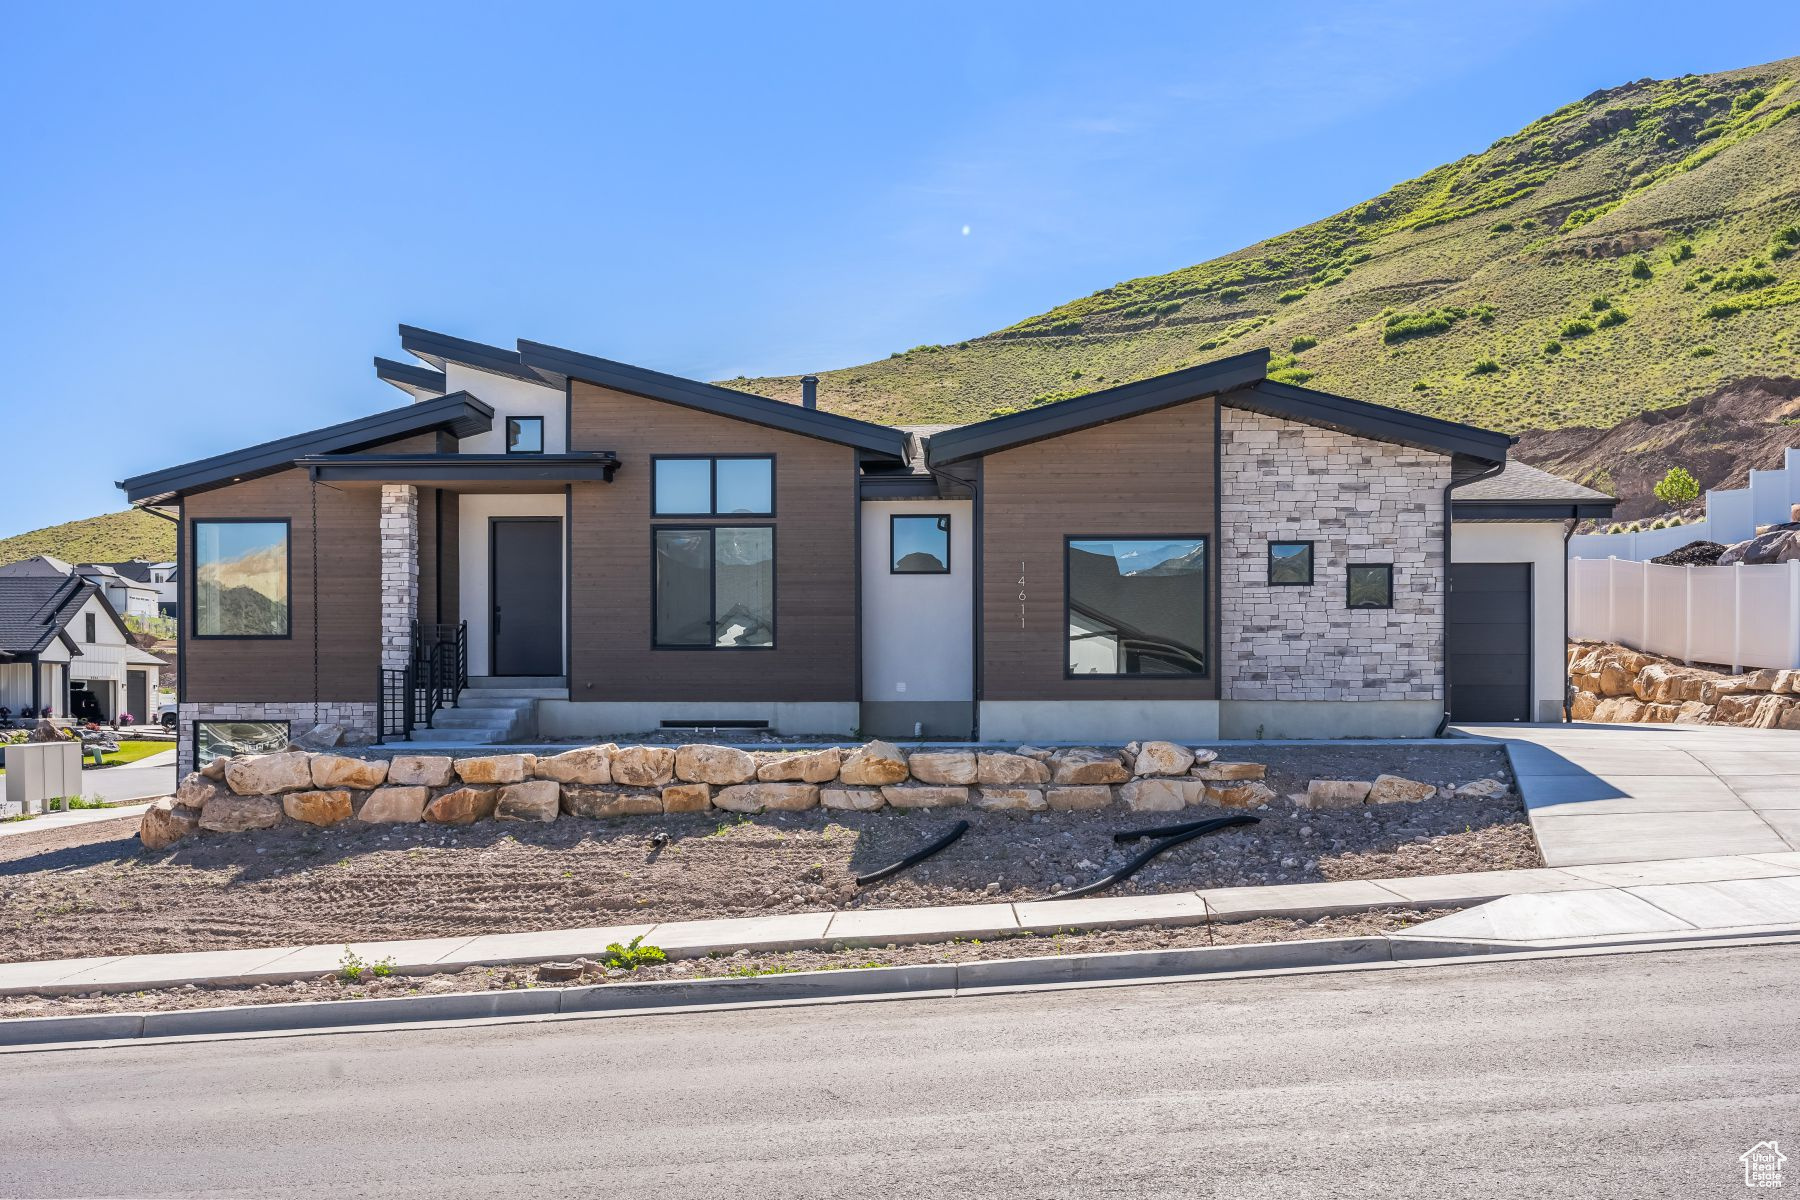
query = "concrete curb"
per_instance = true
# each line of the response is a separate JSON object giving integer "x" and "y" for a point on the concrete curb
{"x": 847, "y": 985}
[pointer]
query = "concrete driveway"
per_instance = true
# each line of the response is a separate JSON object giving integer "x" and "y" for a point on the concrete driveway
{"x": 1637, "y": 793}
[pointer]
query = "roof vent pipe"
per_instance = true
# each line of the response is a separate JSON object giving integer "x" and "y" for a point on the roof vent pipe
{"x": 809, "y": 391}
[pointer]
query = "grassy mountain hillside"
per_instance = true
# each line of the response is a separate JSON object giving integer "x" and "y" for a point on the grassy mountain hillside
{"x": 1634, "y": 249}
{"x": 113, "y": 537}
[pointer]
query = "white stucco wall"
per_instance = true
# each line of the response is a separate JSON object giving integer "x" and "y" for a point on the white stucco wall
{"x": 917, "y": 630}
{"x": 510, "y": 397}
{"x": 472, "y": 570}
{"x": 1539, "y": 543}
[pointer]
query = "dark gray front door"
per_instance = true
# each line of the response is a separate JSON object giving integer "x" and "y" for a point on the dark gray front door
{"x": 525, "y": 588}
{"x": 137, "y": 698}
{"x": 1489, "y": 641}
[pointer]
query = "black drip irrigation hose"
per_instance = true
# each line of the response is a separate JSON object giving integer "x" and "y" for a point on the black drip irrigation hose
{"x": 1188, "y": 834}
{"x": 1132, "y": 835}
{"x": 917, "y": 856}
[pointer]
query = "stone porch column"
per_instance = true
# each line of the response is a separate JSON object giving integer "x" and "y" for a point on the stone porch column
{"x": 399, "y": 572}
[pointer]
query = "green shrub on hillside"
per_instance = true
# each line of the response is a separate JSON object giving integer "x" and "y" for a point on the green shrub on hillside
{"x": 1785, "y": 241}
{"x": 1553, "y": 348}
{"x": 1576, "y": 329}
{"x": 1404, "y": 326}
{"x": 1485, "y": 366}
{"x": 1302, "y": 342}
{"x": 1681, "y": 253}
{"x": 1291, "y": 295}
{"x": 1599, "y": 304}
{"x": 1640, "y": 268}
{"x": 1702, "y": 352}
{"x": 1743, "y": 279}
{"x": 1613, "y": 316}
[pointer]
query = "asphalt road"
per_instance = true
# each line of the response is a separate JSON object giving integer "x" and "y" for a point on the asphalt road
{"x": 147, "y": 778}
{"x": 1636, "y": 1075}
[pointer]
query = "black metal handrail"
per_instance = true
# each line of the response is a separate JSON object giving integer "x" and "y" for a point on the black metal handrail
{"x": 394, "y": 704}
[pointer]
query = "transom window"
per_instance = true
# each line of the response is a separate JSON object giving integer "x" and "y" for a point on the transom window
{"x": 709, "y": 487}
{"x": 524, "y": 435}
{"x": 1136, "y": 606}
{"x": 919, "y": 544}
{"x": 714, "y": 588}
{"x": 1290, "y": 564}
{"x": 241, "y": 585}
{"x": 1369, "y": 585}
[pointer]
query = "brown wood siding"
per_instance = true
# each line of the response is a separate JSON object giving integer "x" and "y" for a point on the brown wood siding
{"x": 1156, "y": 474}
{"x": 450, "y": 559}
{"x": 815, "y": 652}
{"x": 281, "y": 669}
{"x": 428, "y": 555}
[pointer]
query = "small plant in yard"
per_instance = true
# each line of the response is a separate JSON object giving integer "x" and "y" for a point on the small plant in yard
{"x": 1677, "y": 488}
{"x": 351, "y": 967}
{"x": 632, "y": 955}
{"x": 383, "y": 969}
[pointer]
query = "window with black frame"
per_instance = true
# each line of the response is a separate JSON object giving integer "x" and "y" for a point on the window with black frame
{"x": 1290, "y": 564}
{"x": 706, "y": 487}
{"x": 213, "y": 739}
{"x": 919, "y": 544}
{"x": 524, "y": 435}
{"x": 1369, "y": 585}
{"x": 241, "y": 584}
{"x": 715, "y": 588}
{"x": 1136, "y": 606}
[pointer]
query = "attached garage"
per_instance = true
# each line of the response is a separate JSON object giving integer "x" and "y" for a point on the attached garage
{"x": 1505, "y": 638}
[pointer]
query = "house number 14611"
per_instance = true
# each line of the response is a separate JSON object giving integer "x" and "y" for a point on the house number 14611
{"x": 1021, "y": 593}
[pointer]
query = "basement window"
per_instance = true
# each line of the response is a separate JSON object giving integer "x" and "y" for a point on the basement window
{"x": 1369, "y": 585}
{"x": 228, "y": 738}
{"x": 1136, "y": 606}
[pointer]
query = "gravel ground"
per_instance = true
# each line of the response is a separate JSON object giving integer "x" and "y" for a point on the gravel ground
{"x": 480, "y": 979}
{"x": 91, "y": 890}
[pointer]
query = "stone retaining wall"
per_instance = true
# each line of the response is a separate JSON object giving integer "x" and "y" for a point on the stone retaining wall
{"x": 233, "y": 795}
{"x": 1619, "y": 685}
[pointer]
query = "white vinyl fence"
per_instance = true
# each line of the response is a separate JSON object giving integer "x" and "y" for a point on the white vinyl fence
{"x": 1732, "y": 514}
{"x": 1740, "y": 616}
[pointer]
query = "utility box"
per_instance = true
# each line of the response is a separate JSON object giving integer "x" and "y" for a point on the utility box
{"x": 37, "y": 772}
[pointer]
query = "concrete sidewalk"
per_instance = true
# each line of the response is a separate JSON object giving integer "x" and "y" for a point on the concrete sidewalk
{"x": 823, "y": 930}
{"x": 1642, "y": 793}
{"x": 75, "y": 816}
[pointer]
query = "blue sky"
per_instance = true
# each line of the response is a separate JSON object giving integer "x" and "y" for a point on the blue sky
{"x": 211, "y": 217}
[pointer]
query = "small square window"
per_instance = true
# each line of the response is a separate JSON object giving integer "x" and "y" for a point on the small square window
{"x": 524, "y": 435}
{"x": 1290, "y": 564}
{"x": 919, "y": 545}
{"x": 1369, "y": 585}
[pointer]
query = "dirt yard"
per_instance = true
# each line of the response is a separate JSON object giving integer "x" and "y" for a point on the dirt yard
{"x": 481, "y": 979}
{"x": 91, "y": 890}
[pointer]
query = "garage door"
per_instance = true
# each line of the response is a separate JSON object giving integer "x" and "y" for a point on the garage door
{"x": 1489, "y": 641}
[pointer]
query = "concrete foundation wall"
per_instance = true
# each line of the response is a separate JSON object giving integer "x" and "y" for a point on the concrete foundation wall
{"x": 896, "y": 719}
{"x": 569, "y": 719}
{"x": 1099, "y": 720}
{"x": 1258, "y": 719}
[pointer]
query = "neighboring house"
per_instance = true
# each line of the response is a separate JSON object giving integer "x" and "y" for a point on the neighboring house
{"x": 63, "y": 647}
{"x": 129, "y": 595}
{"x": 1204, "y": 554}
{"x": 158, "y": 577}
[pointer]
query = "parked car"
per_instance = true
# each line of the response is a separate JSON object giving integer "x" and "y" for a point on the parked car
{"x": 165, "y": 716}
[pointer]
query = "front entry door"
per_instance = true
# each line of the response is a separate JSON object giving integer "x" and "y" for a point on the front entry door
{"x": 525, "y": 587}
{"x": 137, "y": 697}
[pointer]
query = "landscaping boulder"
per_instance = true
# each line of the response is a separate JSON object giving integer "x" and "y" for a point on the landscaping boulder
{"x": 165, "y": 823}
{"x": 1335, "y": 793}
{"x": 269, "y": 774}
{"x": 993, "y": 798}
{"x": 806, "y": 766}
{"x": 236, "y": 814}
{"x": 1666, "y": 683}
{"x": 1159, "y": 794}
{"x": 1582, "y": 706}
{"x": 336, "y": 770}
{"x": 215, "y": 769}
{"x": 643, "y": 766}
{"x": 686, "y": 797}
{"x": 326, "y": 807}
{"x": 1245, "y": 793}
{"x": 1079, "y": 797}
{"x": 420, "y": 770}
{"x": 1694, "y": 712}
{"x": 197, "y": 789}
{"x": 1397, "y": 789}
{"x": 1619, "y": 710}
{"x": 492, "y": 768}
{"x": 924, "y": 795}
{"x": 534, "y": 800}
{"x": 1086, "y": 766}
{"x": 718, "y": 765}
{"x": 953, "y": 767}
{"x": 395, "y": 805}
{"x": 1000, "y": 769}
{"x": 851, "y": 799}
{"x": 1220, "y": 772}
{"x": 587, "y": 765}
{"x": 597, "y": 802}
{"x": 463, "y": 805}
{"x": 1481, "y": 789}
{"x": 324, "y": 736}
{"x": 767, "y": 797}
{"x": 1659, "y": 714}
{"x": 1041, "y": 753}
{"x": 874, "y": 765}
{"x": 1162, "y": 758}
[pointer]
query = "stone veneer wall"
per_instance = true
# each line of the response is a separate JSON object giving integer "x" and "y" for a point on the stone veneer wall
{"x": 1357, "y": 501}
{"x": 356, "y": 717}
{"x": 399, "y": 572}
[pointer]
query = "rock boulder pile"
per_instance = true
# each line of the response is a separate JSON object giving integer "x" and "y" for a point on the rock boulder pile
{"x": 1620, "y": 685}
{"x": 235, "y": 795}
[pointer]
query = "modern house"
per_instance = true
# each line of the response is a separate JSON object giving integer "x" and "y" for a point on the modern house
{"x": 63, "y": 648}
{"x": 603, "y": 549}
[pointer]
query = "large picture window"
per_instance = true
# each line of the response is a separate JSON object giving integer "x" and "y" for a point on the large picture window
{"x": 241, "y": 584}
{"x": 707, "y": 487}
{"x": 1136, "y": 606}
{"x": 715, "y": 588}
{"x": 228, "y": 738}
